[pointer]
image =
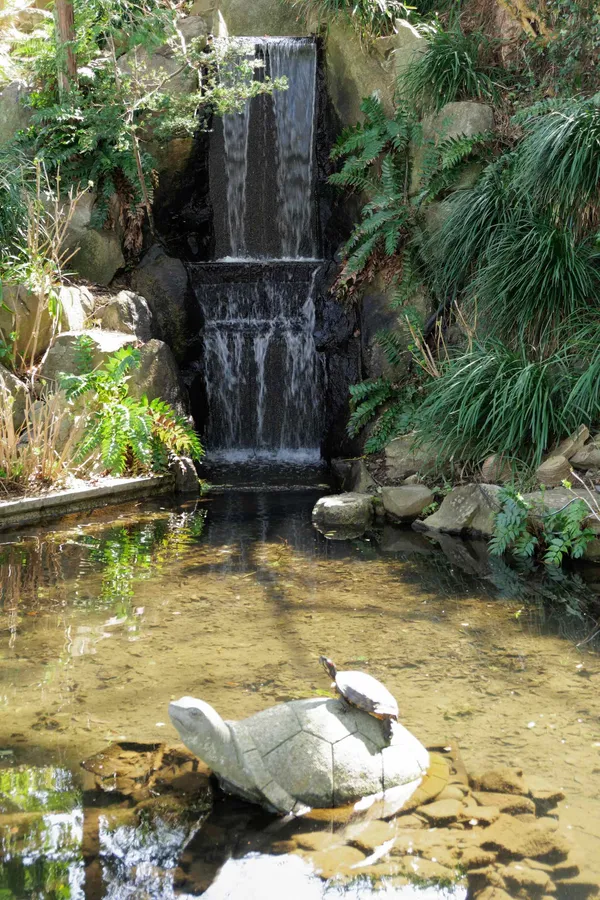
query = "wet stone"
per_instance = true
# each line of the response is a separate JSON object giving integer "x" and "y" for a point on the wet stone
{"x": 451, "y": 792}
{"x": 513, "y": 838}
{"x": 493, "y": 893}
{"x": 501, "y": 781}
{"x": 316, "y": 840}
{"x": 476, "y": 858}
{"x": 545, "y": 800}
{"x": 441, "y": 812}
{"x": 578, "y": 888}
{"x": 481, "y": 815}
{"x": 372, "y": 836}
{"x": 512, "y": 804}
{"x": 522, "y": 878}
{"x": 338, "y": 861}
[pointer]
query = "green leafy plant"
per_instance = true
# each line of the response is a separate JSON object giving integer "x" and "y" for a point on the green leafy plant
{"x": 520, "y": 531}
{"x": 122, "y": 96}
{"x": 371, "y": 18}
{"x": 131, "y": 434}
{"x": 454, "y": 66}
{"x": 392, "y": 405}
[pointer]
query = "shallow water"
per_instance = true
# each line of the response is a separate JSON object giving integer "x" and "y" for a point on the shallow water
{"x": 106, "y": 619}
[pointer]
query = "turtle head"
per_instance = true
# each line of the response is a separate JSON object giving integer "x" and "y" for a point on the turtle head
{"x": 202, "y": 729}
{"x": 329, "y": 666}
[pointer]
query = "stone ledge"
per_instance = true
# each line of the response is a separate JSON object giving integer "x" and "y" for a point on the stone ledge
{"x": 35, "y": 510}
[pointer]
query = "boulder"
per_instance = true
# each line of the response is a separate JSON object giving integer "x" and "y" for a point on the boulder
{"x": 13, "y": 392}
{"x": 355, "y": 510}
{"x": 586, "y": 458}
{"x": 26, "y": 313}
{"x": 405, "y": 503}
{"x": 62, "y": 355}
{"x": 163, "y": 281}
{"x": 14, "y": 115}
{"x": 469, "y": 508}
{"x": 353, "y": 476}
{"x": 98, "y": 255}
{"x": 186, "y": 477}
{"x": 573, "y": 444}
{"x": 553, "y": 471}
{"x": 157, "y": 376}
{"x": 127, "y": 312}
{"x": 403, "y": 458}
{"x": 76, "y": 306}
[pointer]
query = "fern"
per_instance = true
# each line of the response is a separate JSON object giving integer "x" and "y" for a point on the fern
{"x": 391, "y": 405}
{"x": 130, "y": 434}
{"x": 561, "y": 534}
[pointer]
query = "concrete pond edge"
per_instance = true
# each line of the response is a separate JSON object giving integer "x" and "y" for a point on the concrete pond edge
{"x": 40, "y": 509}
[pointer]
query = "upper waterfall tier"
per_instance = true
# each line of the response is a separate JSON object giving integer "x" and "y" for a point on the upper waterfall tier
{"x": 262, "y": 161}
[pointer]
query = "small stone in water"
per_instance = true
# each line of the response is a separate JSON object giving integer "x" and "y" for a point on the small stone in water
{"x": 531, "y": 724}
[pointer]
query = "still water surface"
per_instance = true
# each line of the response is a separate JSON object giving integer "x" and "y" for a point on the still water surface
{"x": 104, "y": 620}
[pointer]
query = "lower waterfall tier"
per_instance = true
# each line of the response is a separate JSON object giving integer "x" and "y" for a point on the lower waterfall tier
{"x": 263, "y": 376}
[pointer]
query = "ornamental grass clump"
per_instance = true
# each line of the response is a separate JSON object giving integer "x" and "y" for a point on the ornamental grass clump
{"x": 492, "y": 399}
{"x": 452, "y": 67}
{"x": 39, "y": 451}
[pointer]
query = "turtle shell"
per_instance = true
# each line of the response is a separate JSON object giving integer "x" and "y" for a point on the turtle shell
{"x": 366, "y": 693}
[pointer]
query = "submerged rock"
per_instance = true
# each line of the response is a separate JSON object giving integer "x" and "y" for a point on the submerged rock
{"x": 345, "y": 510}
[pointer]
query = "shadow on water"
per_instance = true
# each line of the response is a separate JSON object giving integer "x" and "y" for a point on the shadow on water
{"x": 235, "y": 596}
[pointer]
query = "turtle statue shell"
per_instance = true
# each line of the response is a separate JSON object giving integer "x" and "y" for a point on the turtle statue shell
{"x": 305, "y": 753}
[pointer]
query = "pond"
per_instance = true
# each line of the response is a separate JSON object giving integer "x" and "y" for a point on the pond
{"x": 105, "y": 619}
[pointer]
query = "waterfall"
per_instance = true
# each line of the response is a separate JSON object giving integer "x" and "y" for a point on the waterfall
{"x": 294, "y": 122}
{"x": 275, "y": 135}
{"x": 263, "y": 375}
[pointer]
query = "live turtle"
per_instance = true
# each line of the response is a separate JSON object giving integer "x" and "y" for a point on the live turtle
{"x": 364, "y": 692}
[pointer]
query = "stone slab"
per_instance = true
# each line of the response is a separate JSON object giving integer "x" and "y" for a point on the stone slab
{"x": 35, "y": 510}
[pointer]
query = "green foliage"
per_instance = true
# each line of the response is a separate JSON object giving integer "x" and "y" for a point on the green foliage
{"x": 371, "y": 18}
{"x": 132, "y": 435}
{"x": 94, "y": 131}
{"x": 376, "y": 160}
{"x": 492, "y": 399}
{"x": 451, "y": 68}
{"x": 521, "y": 244}
{"x": 559, "y": 158}
{"x": 393, "y": 405}
{"x": 518, "y": 530}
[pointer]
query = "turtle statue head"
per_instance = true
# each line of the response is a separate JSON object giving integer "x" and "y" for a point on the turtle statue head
{"x": 202, "y": 729}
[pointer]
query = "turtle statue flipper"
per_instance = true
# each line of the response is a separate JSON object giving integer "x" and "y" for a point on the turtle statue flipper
{"x": 302, "y": 754}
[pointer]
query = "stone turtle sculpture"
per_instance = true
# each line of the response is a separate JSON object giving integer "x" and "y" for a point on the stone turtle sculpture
{"x": 305, "y": 753}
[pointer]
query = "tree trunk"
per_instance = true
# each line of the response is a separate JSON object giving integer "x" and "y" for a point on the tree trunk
{"x": 65, "y": 44}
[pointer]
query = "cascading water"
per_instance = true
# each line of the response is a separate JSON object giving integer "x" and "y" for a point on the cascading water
{"x": 263, "y": 375}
